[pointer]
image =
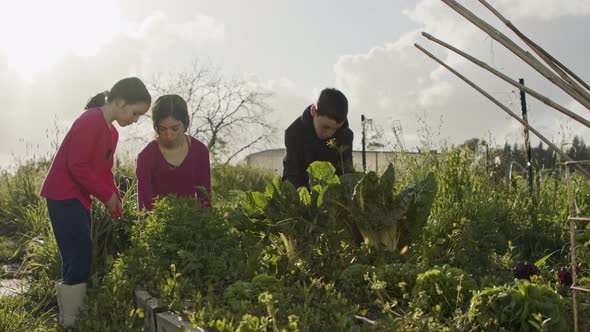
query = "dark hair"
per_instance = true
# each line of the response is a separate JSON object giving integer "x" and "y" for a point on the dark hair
{"x": 333, "y": 104}
{"x": 170, "y": 105}
{"x": 130, "y": 89}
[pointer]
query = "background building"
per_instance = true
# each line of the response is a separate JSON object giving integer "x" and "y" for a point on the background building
{"x": 272, "y": 159}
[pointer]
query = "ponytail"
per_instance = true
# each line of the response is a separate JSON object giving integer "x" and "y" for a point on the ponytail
{"x": 97, "y": 101}
{"x": 130, "y": 89}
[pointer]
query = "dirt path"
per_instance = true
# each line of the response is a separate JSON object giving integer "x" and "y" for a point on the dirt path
{"x": 11, "y": 287}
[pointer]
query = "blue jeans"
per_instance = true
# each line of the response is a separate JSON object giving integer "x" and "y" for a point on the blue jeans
{"x": 71, "y": 223}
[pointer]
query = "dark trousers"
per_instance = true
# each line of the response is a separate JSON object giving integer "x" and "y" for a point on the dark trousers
{"x": 71, "y": 223}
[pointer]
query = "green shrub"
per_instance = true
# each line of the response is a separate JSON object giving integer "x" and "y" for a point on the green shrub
{"x": 353, "y": 283}
{"x": 400, "y": 278}
{"x": 443, "y": 291}
{"x": 524, "y": 307}
{"x": 205, "y": 248}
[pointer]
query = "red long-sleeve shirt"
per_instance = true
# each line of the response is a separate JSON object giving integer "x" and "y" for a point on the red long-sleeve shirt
{"x": 84, "y": 162}
{"x": 157, "y": 177}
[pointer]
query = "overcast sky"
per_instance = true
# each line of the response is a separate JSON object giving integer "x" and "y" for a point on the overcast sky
{"x": 55, "y": 54}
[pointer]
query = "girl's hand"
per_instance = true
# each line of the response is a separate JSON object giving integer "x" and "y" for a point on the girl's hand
{"x": 114, "y": 206}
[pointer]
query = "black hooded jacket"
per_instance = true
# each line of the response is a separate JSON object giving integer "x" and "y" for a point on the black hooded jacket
{"x": 304, "y": 147}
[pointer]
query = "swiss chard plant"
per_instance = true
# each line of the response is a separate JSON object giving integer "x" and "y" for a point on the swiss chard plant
{"x": 298, "y": 216}
{"x": 386, "y": 218}
{"x": 354, "y": 208}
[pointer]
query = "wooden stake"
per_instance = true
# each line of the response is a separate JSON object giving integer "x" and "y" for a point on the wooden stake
{"x": 506, "y": 78}
{"x": 518, "y": 51}
{"x": 504, "y": 108}
{"x": 561, "y": 69}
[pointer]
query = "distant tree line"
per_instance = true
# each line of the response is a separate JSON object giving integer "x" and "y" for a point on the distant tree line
{"x": 543, "y": 157}
{"x": 511, "y": 160}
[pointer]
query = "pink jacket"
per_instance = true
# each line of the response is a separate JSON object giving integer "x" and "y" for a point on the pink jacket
{"x": 156, "y": 177}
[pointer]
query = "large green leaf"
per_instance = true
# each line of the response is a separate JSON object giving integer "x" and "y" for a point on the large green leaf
{"x": 544, "y": 259}
{"x": 254, "y": 203}
{"x": 322, "y": 173}
{"x": 424, "y": 192}
{"x": 304, "y": 196}
{"x": 365, "y": 192}
{"x": 386, "y": 186}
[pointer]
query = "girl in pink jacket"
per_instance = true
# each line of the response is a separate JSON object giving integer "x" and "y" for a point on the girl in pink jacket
{"x": 174, "y": 163}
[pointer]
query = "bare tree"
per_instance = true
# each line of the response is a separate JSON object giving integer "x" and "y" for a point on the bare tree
{"x": 229, "y": 115}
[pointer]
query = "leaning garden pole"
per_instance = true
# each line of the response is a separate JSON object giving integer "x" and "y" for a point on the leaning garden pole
{"x": 511, "y": 81}
{"x": 582, "y": 97}
{"x": 562, "y": 70}
{"x": 504, "y": 108}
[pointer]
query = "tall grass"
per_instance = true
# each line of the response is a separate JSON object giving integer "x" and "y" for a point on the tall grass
{"x": 18, "y": 193}
{"x": 19, "y": 313}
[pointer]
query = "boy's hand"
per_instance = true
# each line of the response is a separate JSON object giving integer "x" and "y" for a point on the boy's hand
{"x": 114, "y": 206}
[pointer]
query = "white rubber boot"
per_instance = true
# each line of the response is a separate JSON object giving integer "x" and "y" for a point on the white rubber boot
{"x": 70, "y": 300}
{"x": 60, "y": 316}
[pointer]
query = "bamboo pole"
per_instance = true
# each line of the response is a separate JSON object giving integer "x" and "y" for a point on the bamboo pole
{"x": 506, "y": 78}
{"x": 572, "y": 213}
{"x": 518, "y": 51}
{"x": 557, "y": 66}
{"x": 504, "y": 108}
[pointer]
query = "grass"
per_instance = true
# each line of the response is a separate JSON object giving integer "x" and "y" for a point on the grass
{"x": 8, "y": 249}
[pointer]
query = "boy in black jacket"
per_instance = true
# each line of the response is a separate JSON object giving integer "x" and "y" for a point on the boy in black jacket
{"x": 320, "y": 134}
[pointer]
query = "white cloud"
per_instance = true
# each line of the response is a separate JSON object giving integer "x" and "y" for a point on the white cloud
{"x": 201, "y": 28}
{"x": 391, "y": 81}
{"x": 544, "y": 10}
{"x": 284, "y": 100}
{"x": 35, "y": 34}
{"x": 61, "y": 89}
{"x": 397, "y": 82}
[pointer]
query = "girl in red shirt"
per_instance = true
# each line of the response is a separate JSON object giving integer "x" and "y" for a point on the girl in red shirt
{"x": 82, "y": 168}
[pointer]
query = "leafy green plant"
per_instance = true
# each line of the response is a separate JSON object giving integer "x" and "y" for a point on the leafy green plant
{"x": 230, "y": 183}
{"x": 203, "y": 246}
{"x": 169, "y": 288}
{"x": 442, "y": 291}
{"x": 319, "y": 305}
{"x": 109, "y": 306}
{"x": 385, "y": 218}
{"x": 297, "y": 216}
{"x": 242, "y": 295}
{"x": 399, "y": 279}
{"x": 523, "y": 307}
{"x": 353, "y": 283}
{"x": 337, "y": 209}
{"x": 110, "y": 236}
